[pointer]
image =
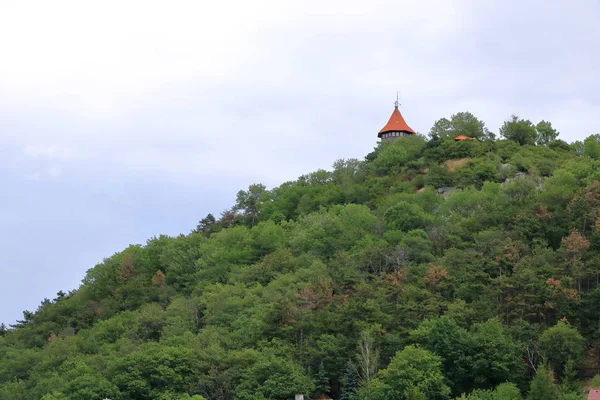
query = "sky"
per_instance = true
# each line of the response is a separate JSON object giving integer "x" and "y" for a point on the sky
{"x": 122, "y": 120}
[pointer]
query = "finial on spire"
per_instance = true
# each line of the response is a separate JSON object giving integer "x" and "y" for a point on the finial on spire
{"x": 397, "y": 102}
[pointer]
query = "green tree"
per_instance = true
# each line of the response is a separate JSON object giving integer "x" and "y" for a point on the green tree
{"x": 591, "y": 146}
{"x": 438, "y": 176}
{"x": 250, "y": 201}
{"x": 462, "y": 123}
{"x": 504, "y": 391}
{"x": 569, "y": 382}
{"x": 497, "y": 356}
{"x": 270, "y": 376}
{"x": 542, "y": 386}
{"x": 322, "y": 379}
{"x": 507, "y": 391}
{"x": 90, "y": 386}
{"x": 562, "y": 343}
{"x": 546, "y": 134}
{"x": 454, "y": 345}
{"x": 476, "y": 172}
{"x": 412, "y": 371}
{"x": 152, "y": 370}
{"x": 406, "y": 217}
{"x": 519, "y": 130}
{"x": 16, "y": 390}
{"x": 367, "y": 358}
{"x": 206, "y": 226}
{"x": 350, "y": 383}
{"x": 559, "y": 144}
{"x": 392, "y": 156}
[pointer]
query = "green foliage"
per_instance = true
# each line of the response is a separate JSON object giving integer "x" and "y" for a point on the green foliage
{"x": 153, "y": 369}
{"x": 560, "y": 344}
{"x": 569, "y": 383}
{"x": 558, "y": 190}
{"x": 560, "y": 145}
{"x": 519, "y": 130}
{"x": 364, "y": 282}
{"x": 543, "y": 386}
{"x": 476, "y": 172}
{"x": 571, "y": 396}
{"x": 462, "y": 123}
{"x": 250, "y": 201}
{"x": 591, "y": 147}
{"x": 453, "y": 149}
{"x": 507, "y": 391}
{"x": 438, "y": 176}
{"x": 504, "y": 391}
{"x": 413, "y": 372}
{"x": 406, "y": 217}
{"x": 545, "y": 133}
{"x": 497, "y": 356}
{"x": 350, "y": 383}
{"x": 269, "y": 376}
{"x": 483, "y": 357}
{"x": 393, "y": 156}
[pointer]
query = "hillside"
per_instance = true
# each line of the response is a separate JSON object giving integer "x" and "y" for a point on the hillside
{"x": 430, "y": 269}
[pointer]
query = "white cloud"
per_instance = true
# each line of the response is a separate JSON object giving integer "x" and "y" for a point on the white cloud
{"x": 113, "y": 78}
{"x": 52, "y": 152}
{"x": 54, "y": 171}
{"x": 35, "y": 176}
{"x": 101, "y": 58}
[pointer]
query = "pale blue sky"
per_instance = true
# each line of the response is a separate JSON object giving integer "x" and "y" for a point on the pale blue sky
{"x": 128, "y": 119}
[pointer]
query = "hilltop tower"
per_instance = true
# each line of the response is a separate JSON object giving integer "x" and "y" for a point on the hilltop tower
{"x": 396, "y": 126}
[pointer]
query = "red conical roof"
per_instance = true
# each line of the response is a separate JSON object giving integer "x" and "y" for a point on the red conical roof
{"x": 396, "y": 124}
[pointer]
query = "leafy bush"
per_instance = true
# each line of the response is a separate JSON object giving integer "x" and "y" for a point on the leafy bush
{"x": 476, "y": 172}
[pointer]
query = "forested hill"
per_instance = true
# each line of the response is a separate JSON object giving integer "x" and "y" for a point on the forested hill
{"x": 432, "y": 269}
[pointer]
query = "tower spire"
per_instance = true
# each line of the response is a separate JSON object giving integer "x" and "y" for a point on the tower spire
{"x": 396, "y": 126}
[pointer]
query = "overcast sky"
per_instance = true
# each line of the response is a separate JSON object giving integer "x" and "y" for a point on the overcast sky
{"x": 120, "y": 120}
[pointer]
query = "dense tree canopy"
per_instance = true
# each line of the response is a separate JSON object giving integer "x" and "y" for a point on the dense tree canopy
{"x": 432, "y": 269}
{"x": 519, "y": 130}
{"x": 546, "y": 134}
{"x": 591, "y": 146}
{"x": 462, "y": 123}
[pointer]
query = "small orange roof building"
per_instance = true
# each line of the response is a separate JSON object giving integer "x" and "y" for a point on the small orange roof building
{"x": 396, "y": 126}
{"x": 460, "y": 138}
{"x": 594, "y": 394}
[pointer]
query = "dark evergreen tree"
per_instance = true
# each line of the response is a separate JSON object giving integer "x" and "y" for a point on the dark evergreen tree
{"x": 322, "y": 380}
{"x": 349, "y": 383}
{"x": 206, "y": 225}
